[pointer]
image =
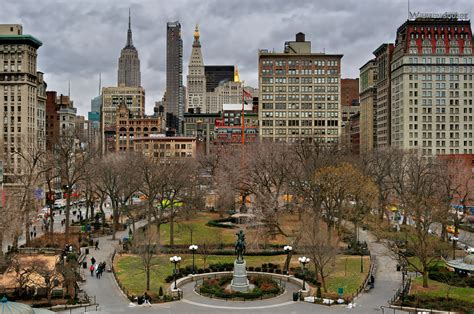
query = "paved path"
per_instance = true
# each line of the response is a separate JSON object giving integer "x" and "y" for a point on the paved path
{"x": 112, "y": 300}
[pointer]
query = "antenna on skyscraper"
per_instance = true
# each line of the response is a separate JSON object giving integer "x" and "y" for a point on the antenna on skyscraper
{"x": 69, "y": 90}
{"x": 100, "y": 82}
{"x": 408, "y": 16}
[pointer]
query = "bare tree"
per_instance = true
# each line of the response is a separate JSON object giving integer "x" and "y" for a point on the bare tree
{"x": 23, "y": 272}
{"x": 146, "y": 246}
{"x": 270, "y": 166}
{"x": 51, "y": 276}
{"x": 322, "y": 253}
{"x": 32, "y": 160}
{"x": 72, "y": 162}
{"x": 416, "y": 181}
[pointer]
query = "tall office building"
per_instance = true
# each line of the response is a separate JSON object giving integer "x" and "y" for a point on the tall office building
{"x": 383, "y": 58}
{"x": 368, "y": 106}
{"x": 196, "y": 88}
{"x": 299, "y": 93}
{"x": 174, "y": 76}
{"x": 129, "y": 64}
{"x": 112, "y": 97}
{"x": 22, "y": 99}
{"x": 432, "y": 85}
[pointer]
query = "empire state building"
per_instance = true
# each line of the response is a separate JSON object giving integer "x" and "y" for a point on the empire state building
{"x": 129, "y": 63}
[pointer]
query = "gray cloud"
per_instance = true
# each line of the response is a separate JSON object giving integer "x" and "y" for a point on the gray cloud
{"x": 83, "y": 38}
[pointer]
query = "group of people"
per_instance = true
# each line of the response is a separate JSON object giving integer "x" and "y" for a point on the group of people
{"x": 97, "y": 269}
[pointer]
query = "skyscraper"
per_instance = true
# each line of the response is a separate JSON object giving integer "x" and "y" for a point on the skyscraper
{"x": 22, "y": 100}
{"x": 196, "y": 88}
{"x": 129, "y": 63}
{"x": 174, "y": 76}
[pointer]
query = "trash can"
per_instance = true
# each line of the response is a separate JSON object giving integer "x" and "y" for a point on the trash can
{"x": 296, "y": 296}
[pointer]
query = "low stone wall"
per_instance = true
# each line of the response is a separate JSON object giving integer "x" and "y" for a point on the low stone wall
{"x": 191, "y": 278}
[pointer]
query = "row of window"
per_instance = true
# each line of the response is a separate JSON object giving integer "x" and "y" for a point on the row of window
{"x": 308, "y": 80}
{"x": 281, "y": 63}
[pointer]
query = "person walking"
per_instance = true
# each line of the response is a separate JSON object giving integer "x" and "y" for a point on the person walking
{"x": 92, "y": 270}
{"x": 97, "y": 245}
{"x": 92, "y": 260}
{"x": 146, "y": 299}
{"x": 96, "y": 268}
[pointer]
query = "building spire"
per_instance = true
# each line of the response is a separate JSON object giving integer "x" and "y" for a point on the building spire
{"x": 196, "y": 36}
{"x": 129, "y": 33}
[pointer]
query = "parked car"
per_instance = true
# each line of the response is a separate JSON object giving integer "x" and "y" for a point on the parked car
{"x": 469, "y": 249}
{"x": 58, "y": 204}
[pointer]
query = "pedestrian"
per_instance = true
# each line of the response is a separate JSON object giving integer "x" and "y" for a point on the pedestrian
{"x": 31, "y": 234}
{"x": 372, "y": 281}
{"x": 92, "y": 260}
{"x": 34, "y": 234}
{"x": 34, "y": 228}
{"x": 97, "y": 245}
{"x": 146, "y": 299}
{"x": 92, "y": 270}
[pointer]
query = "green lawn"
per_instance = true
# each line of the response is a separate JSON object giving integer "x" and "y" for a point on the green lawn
{"x": 130, "y": 273}
{"x": 201, "y": 232}
{"x": 438, "y": 289}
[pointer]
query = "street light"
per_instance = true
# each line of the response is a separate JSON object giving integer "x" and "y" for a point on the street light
{"x": 455, "y": 239}
{"x": 287, "y": 249}
{"x": 304, "y": 260}
{"x": 193, "y": 249}
{"x": 175, "y": 260}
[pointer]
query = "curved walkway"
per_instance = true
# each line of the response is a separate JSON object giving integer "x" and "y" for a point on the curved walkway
{"x": 111, "y": 299}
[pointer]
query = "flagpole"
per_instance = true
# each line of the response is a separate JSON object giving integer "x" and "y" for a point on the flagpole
{"x": 243, "y": 115}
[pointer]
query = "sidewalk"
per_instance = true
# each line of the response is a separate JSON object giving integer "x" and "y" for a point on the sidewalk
{"x": 387, "y": 279}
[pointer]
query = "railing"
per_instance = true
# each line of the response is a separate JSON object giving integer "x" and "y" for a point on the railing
{"x": 402, "y": 291}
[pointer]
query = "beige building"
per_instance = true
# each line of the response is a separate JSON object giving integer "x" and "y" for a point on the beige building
{"x": 22, "y": 98}
{"x": 299, "y": 93}
{"x": 196, "y": 88}
{"x": 432, "y": 86}
{"x": 383, "y": 57}
{"x": 368, "y": 106}
{"x": 134, "y": 98}
{"x": 160, "y": 146}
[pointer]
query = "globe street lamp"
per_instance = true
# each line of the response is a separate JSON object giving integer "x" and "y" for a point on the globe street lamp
{"x": 175, "y": 260}
{"x": 287, "y": 249}
{"x": 304, "y": 260}
{"x": 193, "y": 249}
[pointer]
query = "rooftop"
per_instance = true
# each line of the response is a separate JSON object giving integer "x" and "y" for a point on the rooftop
{"x": 15, "y": 39}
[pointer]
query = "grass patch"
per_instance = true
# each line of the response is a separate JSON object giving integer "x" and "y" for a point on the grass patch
{"x": 130, "y": 273}
{"x": 438, "y": 289}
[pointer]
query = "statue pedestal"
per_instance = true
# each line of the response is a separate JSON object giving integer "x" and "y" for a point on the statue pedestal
{"x": 240, "y": 281}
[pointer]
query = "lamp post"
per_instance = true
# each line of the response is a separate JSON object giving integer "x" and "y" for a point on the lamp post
{"x": 455, "y": 239}
{"x": 175, "y": 260}
{"x": 287, "y": 249}
{"x": 193, "y": 249}
{"x": 304, "y": 260}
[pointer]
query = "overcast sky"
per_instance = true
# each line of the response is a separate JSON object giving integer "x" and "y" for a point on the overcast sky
{"x": 83, "y": 38}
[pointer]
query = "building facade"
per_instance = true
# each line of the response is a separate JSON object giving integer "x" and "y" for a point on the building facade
{"x": 129, "y": 74}
{"x": 383, "y": 58}
{"x": 202, "y": 127}
{"x": 174, "y": 76}
{"x": 196, "y": 87}
{"x": 60, "y": 117}
{"x": 128, "y": 128}
{"x": 368, "y": 106}
{"x": 299, "y": 93}
{"x": 432, "y": 86}
{"x": 112, "y": 97}
{"x": 349, "y": 92}
{"x": 229, "y": 128}
{"x": 161, "y": 146}
{"x": 22, "y": 99}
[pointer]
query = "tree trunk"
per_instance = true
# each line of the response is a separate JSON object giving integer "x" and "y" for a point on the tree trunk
{"x": 323, "y": 280}
{"x": 172, "y": 230}
{"x": 148, "y": 278}
{"x": 115, "y": 220}
{"x": 51, "y": 219}
{"x": 68, "y": 208}
{"x": 27, "y": 229}
{"x": 158, "y": 236}
{"x": 425, "y": 279}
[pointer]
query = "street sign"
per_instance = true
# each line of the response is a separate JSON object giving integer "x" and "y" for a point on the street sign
{"x": 39, "y": 194}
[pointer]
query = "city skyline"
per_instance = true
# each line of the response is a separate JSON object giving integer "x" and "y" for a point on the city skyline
{"x": 85, "y": 38}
